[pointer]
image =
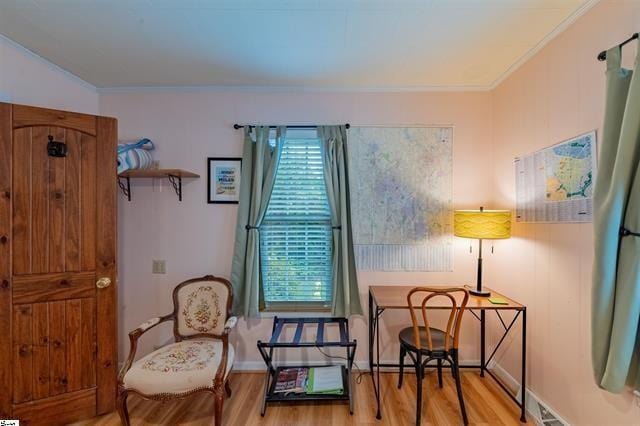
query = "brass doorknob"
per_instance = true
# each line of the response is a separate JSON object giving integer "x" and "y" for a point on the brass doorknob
{"x": 103, "y": 282}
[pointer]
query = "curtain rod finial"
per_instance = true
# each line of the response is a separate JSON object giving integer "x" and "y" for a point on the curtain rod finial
{"x": 237, "y": 126}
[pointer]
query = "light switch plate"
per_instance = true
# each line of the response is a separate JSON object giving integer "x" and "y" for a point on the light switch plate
{"x": 159, "y": 266}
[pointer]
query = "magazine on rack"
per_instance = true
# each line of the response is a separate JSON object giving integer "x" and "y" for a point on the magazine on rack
{"x": 292, "y": 380}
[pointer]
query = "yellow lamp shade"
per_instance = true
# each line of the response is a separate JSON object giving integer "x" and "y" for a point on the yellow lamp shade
{"x": 482, "y": 224}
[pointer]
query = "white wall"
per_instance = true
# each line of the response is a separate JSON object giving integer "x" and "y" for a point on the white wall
{"x": 26, "y": 78}
{"x": 556, "y": 95}
{"x": 196, "y": 238}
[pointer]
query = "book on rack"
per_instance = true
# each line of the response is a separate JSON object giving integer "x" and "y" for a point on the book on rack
{"x": 325, "y": 380}
{"x": 291, "y": 380}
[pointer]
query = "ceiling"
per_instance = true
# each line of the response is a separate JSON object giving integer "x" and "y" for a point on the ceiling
{"x": 336, "y": 44}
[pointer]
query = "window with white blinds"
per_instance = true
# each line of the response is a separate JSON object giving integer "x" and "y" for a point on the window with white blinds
{"x": 296, "y": 235}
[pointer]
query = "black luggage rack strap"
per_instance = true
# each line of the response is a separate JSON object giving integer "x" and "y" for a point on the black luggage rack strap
{"x": 266, "y": 351}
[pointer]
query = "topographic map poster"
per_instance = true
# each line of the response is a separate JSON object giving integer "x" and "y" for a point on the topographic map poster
{"x": 556, "y": 183}
{"x": 401, "y": 191}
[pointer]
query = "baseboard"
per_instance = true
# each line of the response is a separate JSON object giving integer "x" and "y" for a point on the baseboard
{"x": 258, "y": 366}
{"x": 539, "y": 411}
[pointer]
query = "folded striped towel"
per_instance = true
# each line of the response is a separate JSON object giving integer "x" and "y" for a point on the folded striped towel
{"x": 135, "y": 155}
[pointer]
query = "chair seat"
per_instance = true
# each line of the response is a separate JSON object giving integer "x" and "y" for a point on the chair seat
{"x": 178, "y": 368}
{"x": 437, "y": 338}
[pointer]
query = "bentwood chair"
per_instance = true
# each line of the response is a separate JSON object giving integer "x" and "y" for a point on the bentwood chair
{"x": 201, "y": 357}
{"x": 424, "y": 344}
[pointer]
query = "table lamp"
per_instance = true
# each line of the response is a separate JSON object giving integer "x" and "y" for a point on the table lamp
{"x": 482, "y": 225}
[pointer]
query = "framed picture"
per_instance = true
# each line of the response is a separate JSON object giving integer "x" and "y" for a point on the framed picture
{"x": 223, "y": 184}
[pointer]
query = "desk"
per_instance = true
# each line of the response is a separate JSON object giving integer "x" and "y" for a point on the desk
{"x": 386, "y": 297}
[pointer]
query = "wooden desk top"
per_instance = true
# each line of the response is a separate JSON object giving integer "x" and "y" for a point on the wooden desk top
{"x": 395, "y": 297}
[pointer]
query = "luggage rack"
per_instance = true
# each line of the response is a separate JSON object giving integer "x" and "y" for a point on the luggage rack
{"x": 267, "y": 348}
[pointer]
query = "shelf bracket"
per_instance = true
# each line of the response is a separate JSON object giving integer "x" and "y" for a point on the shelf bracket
{"x": 176, "y": 181}
{"x": 125, "y": 187}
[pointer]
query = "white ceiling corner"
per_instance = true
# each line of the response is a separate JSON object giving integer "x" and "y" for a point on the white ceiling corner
{"x": 394, "y": 45}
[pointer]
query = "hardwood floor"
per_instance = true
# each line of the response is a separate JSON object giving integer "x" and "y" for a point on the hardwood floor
{"x": 486, "y": 404}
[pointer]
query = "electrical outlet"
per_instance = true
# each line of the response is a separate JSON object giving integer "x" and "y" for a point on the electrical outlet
{"x": 159, "y": 266}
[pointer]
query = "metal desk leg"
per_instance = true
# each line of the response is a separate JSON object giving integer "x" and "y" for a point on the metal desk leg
{"x": 374, "y": 334}
{"x": 523, "y": 391}
{"x": 371, "y": 325}
{"x": 351, "y": 354}
{"x": 377, "y": 330}
{"x": 483, "y": 334}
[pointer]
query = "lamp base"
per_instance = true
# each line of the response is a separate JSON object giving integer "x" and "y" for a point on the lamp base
{"x": 480, "y": 293}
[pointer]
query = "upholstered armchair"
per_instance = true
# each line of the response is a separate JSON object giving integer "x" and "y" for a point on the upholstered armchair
{"x": 201, "y": 357}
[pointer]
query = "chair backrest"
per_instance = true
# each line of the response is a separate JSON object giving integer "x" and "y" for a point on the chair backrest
{"x": 201, "y": 307}
{"x": 455, "y": 314}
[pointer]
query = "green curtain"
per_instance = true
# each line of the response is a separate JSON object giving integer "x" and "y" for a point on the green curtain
{"x": 259, "y": 165}
{"x": 346, "y": 298}
{"x": 616, "y": 273}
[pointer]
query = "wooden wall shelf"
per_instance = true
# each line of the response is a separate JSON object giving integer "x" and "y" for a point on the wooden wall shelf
{"x": 174, "y": 175}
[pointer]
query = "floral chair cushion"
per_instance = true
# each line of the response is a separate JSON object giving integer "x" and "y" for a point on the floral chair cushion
{"x": 202, "y": 308}
{"x": 178, "y": 368}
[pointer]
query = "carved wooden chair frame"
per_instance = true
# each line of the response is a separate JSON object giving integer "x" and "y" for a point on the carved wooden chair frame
{"x": 220, "y": 384}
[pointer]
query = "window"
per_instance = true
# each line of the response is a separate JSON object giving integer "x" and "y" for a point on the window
{"x": 296, "y": 235}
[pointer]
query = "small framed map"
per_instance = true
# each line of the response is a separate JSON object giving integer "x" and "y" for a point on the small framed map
{"x": 556, "y": 184}
{"x": 223, "y": 184}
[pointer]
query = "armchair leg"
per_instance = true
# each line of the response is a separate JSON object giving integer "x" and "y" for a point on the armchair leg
{"x": 227, "y": 389}
{"x": 121, "y": 405}
{"x": 440, "y": 373}
{"x": 219, "y": 401}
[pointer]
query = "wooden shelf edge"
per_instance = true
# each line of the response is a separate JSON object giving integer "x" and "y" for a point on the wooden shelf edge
{"x": 174, "y": 175}
{"x": 157, "y": 173}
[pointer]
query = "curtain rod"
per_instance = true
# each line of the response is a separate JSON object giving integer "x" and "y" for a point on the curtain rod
{"x": 241, "y": 126}
{"x": 602, "y": 56}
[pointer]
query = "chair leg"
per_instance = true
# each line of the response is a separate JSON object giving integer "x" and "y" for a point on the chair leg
{"x": 456, "y": 366}
{"x": 453, "y": 371}
{"x": 440, "y": 373}
{"x": 121, "y": 406}
{"x": 218, "y": 403}
{"x": 419, "y": 372}
{"x": 403, "y": 354}
{"x": 227, "y": 389}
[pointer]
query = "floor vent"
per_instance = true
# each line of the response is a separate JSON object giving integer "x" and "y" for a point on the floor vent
{"x": 545, "y": 417}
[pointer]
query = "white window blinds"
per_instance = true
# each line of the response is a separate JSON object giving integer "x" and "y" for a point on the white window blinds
{"x": 296, "y": 235}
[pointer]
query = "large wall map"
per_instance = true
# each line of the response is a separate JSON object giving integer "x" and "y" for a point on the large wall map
{"x": 401, "y": 191}
{"x": 556, "y": 183}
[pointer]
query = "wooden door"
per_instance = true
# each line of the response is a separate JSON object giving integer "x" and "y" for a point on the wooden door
{"x": 58, "y": 265}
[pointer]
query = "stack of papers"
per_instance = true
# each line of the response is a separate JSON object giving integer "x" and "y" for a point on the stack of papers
{"x": 325, "y": 380}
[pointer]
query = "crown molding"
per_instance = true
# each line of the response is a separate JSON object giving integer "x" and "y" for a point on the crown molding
{"x": 293, "y": 89}
{"x": 566, "y": 23}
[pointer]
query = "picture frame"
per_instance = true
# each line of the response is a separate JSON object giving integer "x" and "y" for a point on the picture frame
{"x": 223, "y": 180}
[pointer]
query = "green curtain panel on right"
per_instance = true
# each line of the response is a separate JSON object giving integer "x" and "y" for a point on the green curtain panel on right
{"x": 616, "y": 272}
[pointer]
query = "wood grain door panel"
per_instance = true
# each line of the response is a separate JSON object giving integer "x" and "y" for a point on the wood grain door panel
{"x": 57, "y": 237}
{"x": 54, "y": 208}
